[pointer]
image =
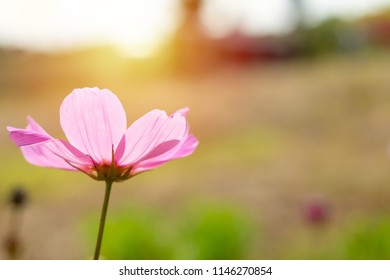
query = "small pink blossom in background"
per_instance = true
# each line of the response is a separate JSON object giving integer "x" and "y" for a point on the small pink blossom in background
{"x": 317, "y": 210}
{"x": 99, "y": 142}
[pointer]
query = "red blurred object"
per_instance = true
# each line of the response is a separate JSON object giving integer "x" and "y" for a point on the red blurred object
{"x": 317, "y": 211}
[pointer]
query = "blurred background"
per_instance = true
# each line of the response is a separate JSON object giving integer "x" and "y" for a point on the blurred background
{"x": 290, "y": 100}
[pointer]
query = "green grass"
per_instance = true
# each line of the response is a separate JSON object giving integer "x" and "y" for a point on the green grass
{"x": 212, "y": 230}
{"x": 368, "y": 240}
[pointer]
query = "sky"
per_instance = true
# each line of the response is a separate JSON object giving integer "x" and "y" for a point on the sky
{"x": 138, "y": 26}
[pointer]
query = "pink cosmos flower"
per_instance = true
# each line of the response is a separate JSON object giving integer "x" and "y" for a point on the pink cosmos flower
{"x": 99, "y": 142}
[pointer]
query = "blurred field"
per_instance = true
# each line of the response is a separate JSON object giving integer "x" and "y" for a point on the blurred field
{"x": 274, "y": 139}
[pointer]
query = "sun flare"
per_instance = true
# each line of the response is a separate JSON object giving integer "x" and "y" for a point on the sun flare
{"x": 136, "y": 27}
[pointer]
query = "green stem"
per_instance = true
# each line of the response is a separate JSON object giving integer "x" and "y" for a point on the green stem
{"x": 102, "y": 219}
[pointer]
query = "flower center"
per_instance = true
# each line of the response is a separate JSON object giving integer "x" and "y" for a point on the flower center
{"x": 112, "y": 172}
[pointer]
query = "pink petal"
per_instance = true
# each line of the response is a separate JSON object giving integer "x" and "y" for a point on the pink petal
{"x": 145, "y": 137}
{"x": 187, "y": 148}
{"x": 94, "y": 122}
{"x": 39, "y": 148}
{"x": 33, "y": 125}
{"x": 183, "y": 112}
{"x": 24, "y": 137}
{"x": 183, "y": 149}
{"x": 56, "y": 154}
{"x": 162, "y": 148}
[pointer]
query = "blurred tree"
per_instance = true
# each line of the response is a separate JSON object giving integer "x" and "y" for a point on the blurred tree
{"x": 299, "y": 12}
{"x": 191, "y": 46}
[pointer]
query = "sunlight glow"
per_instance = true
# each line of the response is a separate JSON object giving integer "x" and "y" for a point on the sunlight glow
{"x": 135, "y": 26}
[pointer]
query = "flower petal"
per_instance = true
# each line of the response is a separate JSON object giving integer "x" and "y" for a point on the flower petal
{"x": 33, "y": 125}
{"x": 24, "y": 137}
{"x": 145, "y": 137}
{"x": 183, "y": 149}
{"x": 94, "y": 122}
{"x": 187, "y": 148}
{"x": 57, "y": 154}
{"x": 183, "y": 111}
{"x": 39, "y": 148}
